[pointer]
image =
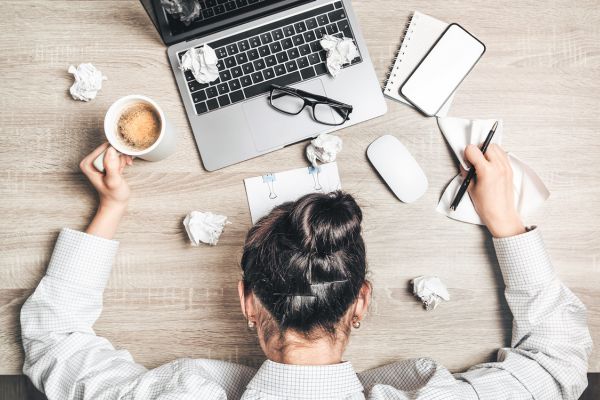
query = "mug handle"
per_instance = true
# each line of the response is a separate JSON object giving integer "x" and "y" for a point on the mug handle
{"x": 99, "y": 162}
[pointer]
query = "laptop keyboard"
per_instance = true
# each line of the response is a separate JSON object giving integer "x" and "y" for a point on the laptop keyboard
{"x": 212, "y": 9}
{"x": 284, "y": 52}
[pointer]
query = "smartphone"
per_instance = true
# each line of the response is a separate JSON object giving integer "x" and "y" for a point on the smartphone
{"x": 442, "y": 69}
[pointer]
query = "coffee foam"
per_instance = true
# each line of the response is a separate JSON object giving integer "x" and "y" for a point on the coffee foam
{"x": 139, "y": 126}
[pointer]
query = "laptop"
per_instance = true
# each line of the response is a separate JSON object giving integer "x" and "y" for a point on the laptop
{"x": 260, "y": 43}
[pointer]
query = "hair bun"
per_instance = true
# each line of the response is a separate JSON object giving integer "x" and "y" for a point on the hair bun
{"x": 327, "y": 222}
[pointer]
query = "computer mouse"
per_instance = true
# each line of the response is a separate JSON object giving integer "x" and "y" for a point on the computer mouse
{"x": 398, "y": 168}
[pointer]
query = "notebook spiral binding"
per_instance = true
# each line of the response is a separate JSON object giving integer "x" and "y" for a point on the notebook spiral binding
{"x": 397, "y": 58}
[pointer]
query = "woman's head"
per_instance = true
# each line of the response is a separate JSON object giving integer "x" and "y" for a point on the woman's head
{"x": 304, "y": 269}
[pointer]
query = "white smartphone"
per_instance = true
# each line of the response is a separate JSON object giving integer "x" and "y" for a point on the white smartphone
{"x": 442, "y": 69}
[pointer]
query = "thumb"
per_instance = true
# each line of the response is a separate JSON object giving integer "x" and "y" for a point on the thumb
{"x": 112, "y": 164}
{"x": 475, "y": 157}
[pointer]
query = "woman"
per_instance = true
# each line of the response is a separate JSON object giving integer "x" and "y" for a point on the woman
{"x": 304, "y": 289}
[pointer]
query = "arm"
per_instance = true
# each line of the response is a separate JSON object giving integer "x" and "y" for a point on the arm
{"x": 550, "y": 342}
{"x": 63, "y": 356}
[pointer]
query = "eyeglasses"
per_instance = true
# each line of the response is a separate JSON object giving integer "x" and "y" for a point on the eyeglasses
{"x": 324, "y": 110}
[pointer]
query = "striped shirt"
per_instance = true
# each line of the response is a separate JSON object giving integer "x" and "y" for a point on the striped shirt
{"x": 66, "y": 360}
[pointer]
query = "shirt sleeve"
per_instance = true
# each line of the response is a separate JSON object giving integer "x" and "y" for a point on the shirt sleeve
{"x": 550, "y": 342}
{"x": 63, "y": 356}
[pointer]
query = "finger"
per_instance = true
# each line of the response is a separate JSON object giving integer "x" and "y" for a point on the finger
{"x": 112, "y": 163}
{"x": 475, "y": 157}
{"x": 129, "y": 160}
{"x": 122, "y": 163}
{"x": 95, "y": 153}
{"x": 494, "y": 154}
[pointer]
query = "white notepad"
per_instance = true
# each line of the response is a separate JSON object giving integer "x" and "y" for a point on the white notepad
{"x": 420, "y": 36}
{"x": 270, "y": 190}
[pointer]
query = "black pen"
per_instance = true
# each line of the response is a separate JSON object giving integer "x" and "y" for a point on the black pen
{"x": 471, "y": 174}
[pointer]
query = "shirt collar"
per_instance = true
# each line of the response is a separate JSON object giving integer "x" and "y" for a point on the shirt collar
{"x": 306, "y": 381}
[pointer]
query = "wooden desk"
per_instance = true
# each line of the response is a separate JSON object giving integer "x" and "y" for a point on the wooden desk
{"x": 166, "y": 299}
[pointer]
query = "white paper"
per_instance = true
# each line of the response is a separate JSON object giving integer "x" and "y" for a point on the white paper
{"x": 430, "y": 290}
{"x": 88, "y": 81}
{"x": 324, "y": 148}
{"x": 340, "y": 51}
{"x": 270, "y": 190}
{"x": 529, "y": 190}
{"x": 204, "y": 227}
{"x": 202, "y": 61}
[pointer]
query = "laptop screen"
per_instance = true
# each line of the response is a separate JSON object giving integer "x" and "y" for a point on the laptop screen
{"x": 180, "y": 20}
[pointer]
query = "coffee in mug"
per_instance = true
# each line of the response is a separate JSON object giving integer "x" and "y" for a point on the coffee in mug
{"x": 139, "y": 126}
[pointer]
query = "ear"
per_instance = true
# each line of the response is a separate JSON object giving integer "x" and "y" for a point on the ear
{"x": 362, "y": 301}
{"x": 246, "y": 302}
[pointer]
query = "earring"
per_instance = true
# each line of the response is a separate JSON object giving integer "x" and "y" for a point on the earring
{"x": 355, "y": 322}
{"x": 250, "y": 324}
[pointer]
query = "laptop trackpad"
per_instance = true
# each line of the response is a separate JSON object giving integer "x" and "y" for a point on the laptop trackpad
{"x": 271, "y": 128}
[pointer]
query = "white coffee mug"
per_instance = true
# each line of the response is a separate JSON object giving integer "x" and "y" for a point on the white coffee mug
{"x": 164, "y": 146}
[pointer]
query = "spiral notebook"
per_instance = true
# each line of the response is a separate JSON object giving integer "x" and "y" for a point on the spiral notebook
{"x": 270, "y": 190}
{"x": 420, "y": 36}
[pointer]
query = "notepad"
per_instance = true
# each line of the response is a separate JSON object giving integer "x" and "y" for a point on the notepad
{"x": 420, "y": 36}
{"x": 272, "y": 189}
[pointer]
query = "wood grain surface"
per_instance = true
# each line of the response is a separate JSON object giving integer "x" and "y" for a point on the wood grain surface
{"x": 166, "y": 299}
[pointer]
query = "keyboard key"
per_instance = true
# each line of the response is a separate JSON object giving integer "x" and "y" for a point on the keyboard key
{"x": 291, "y": 66}
{"x": 282, "y": 57}
{"x": 241, "y": 58}
{"x": 212, "y": 104}
{"x": 344, "y": 27}
{"x": 224, "y": 101}
{"x": 230, "y": 62}
{"x": 189, "y": 76}
{"x": 321, "y": 69}
{"x": 225, "y": 75}
{"x": 288, "y": 31}
{"x": 302, "y": 62}
{"x": 220, "y": 65}
{"x": 232, "y": 49}
{"x": 266, "y": 38}
{"x": 314, "y": 58}
{"x": 311, "y": 23}
{"x": 215, "y": 83}
{"x": 264, "y": 51}
{"x": 300, "y": 27}
{"x": 223, "y": 88}
{"x": 235, "y": 85}
{"x": 309, "y": 36}
{"x": 308, "y": 73}
{"x": 337, "y": 15}
{"x": 199, "y": 96}
{"x": 283, "y": 80}
{"x": 241, "y": 3}
{"x": 211, "y": 3}
{"x": 220, "y": 9}
{"x": 257, "y": 77}
{"x": 277, "y": 34}
{"x": 244, "y": 45}
{"x": 246, "y": 80}
{"x": 279, "y": 70}
{"x": 316, "y": 46}
{"x": 322, "y": 20}
{"x": 270, "y": 61}
{"x": 287, "y": 43}
{"x": 304, "y": 49}
{"x": 275, "y": 47}
{"x": 221, "y": 52}
{"x": 253, "y": 54}
{"x": 323, "y": 56}
{"x": 259, "y": 64}
{"x": 230, "y": 6}
{"x": 298, "y": 40}
{"x": 236, "y": 96}
{"x": 201, "y": 108}
{"x": 236, "y": 72}
{"x": 338, "y": 4}
{"x": 248, "y": 68}
{"x": 208, "y": 13}
{"x": 269, "y": 73}
{"x": 254, "y": 41}
{"x": 332, "y": 29}
{"x": 293, "y": 53}
{"x": 320, "y": 32}
{"x": 194, "y": 85}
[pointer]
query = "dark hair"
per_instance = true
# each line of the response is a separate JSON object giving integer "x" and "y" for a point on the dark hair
{"x": 306, "y": 261}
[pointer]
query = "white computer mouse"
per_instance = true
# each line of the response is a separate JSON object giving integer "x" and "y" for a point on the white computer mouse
{"x": 398, "y": 168}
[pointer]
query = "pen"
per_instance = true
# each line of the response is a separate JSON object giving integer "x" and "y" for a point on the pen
{"x": 471, "y": 174}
